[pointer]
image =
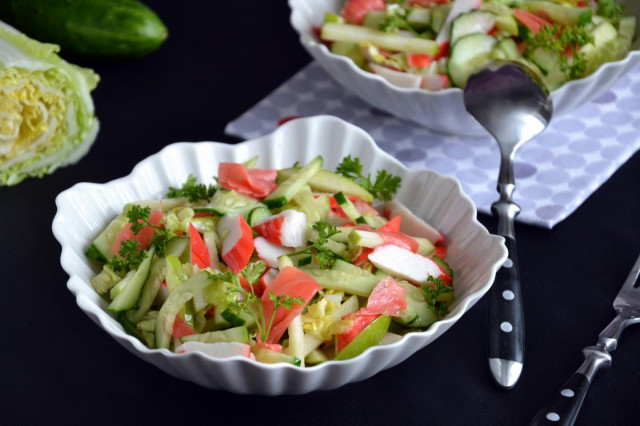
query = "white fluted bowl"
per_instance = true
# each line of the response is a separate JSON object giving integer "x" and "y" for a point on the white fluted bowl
{"x": 86, "y": 208}
{"x": 443, "y": 110}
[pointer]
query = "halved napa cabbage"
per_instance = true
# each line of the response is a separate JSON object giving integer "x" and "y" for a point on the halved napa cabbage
{"x": 47, "y": 116}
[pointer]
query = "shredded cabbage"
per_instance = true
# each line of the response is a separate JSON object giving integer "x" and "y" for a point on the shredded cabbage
{"x": 47, "y": 116}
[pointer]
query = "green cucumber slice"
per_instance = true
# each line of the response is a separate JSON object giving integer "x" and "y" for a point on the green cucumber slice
{"x": 130, "y": 293}
{"x": 360, "y": 283}
{"x": 330, "y": 182}
{"x": 229, "y": 202}
{"x": 372, "y": 335}
{"x": 468, "y": 55}
{"x": 272, "y": 357}
{"x": 417, "y": 314}
{"x": 350, "y": 210}
{"x": 470, "y": 23}
{"x": 174, "y": 304}
{"x": 258, "y": 215}
{"x": 395, "y": 42}
{"x": 149, "y": 291}
{"x": 290, "y": 187}
{"x": 100, "y": 248}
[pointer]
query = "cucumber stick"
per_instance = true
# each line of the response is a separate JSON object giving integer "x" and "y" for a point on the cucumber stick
{"x": 294, "y": 183}
{"x": 89, "y": 28}
{"x": 350, "y": 210}
{"x": 130, "y": 293}
{"x": 357, "y": 34}
{"x": 100, "y": 248}
{"x": 360, "y": 283}
{"x": 149, "y": 291}
{"x": 330, "y": 182}
{"x": 174, "y": 304}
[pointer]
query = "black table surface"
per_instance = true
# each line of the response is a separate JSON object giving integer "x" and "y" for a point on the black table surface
{"x": 219, "y": 60}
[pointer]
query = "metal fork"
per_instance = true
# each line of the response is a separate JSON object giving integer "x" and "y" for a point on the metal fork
{"x": 564, "y": 407}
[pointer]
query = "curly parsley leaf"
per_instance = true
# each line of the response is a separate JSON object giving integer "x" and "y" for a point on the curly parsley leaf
{"x": 319, "y": 248}
{"x": 253, "y": 271}
{"x": 139, "y": 218}
{"x": 193, "y": 191}
{"x": 565, "y": 44}
{"x": 243, "y": 300}
{"x": 384, "y": 186}
{"x": 219, "y": 276}
{"x": 129, "y": 257}
{"x": 610, "y": 9}
{"x": 432, "y": 291}
{"x": 585, "y": 17}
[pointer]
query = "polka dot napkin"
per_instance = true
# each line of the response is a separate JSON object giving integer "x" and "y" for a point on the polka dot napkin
{"x": 555, "y": 172}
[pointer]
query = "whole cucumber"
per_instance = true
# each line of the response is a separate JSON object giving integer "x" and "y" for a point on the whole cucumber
{"x": 88, "y": 28}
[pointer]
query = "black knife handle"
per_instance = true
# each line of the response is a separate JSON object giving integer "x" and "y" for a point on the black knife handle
{"x": 506, "y": 317}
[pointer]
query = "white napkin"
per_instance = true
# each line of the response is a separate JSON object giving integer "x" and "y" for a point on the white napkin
{"x": 555, "y": 172}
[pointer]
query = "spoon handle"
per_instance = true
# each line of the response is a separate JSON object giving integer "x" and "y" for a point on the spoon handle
{"x": 506, "y": 322}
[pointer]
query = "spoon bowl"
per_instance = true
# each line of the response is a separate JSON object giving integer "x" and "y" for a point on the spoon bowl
{"x": 512, "y": 104}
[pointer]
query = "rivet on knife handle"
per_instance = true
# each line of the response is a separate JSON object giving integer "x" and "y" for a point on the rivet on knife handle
{"x": 505, "y": 325}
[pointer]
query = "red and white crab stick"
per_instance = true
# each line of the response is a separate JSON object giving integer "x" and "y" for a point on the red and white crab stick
{"x": 403, "y": 263}
{"x": 237, "y": 241}
{"x": 287, "y": 229}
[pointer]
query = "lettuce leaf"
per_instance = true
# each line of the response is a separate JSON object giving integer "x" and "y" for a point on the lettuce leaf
{"x": 47, "y": 117}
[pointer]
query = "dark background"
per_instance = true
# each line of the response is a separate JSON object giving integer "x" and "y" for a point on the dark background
{"x": 220, "y": 59}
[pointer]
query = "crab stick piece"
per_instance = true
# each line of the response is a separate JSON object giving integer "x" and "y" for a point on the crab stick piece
{"x": 210, "y": 240}
{"x": 290, "y": 282}
{"x": 374, "y": 239}
{"x": 287, "y": 229}
{"x": 405, "y": 264}
{"x": 270, "y": 252}
{"x": 237, "y": 241}
{"x": 199, "y": 250}
{"x": 268, "y": 276}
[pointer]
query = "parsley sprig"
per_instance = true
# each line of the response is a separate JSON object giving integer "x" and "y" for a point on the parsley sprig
{"x": 245, "y": 301}
{"x": 131, "y": 254}
{"x": 432, "y": 292}
{"x": 610, "y": 9}
{"x": 130, "y": 257}
{"x": 139, "y": 218}
{"x": 319, "y": 248}
{"x": 193, "y": 190}
{"x": 565, "y": 42}
{"x": 384, "y": 186}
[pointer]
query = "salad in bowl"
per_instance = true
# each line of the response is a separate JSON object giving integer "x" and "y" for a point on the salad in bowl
{"x": 412, "y": 57}
{"x": 436, "y": 44}
{"x": 302, "y": 260}
{"x": 293, "y": 265}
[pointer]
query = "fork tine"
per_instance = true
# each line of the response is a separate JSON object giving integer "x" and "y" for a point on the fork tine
{"x": 629, "y": 295}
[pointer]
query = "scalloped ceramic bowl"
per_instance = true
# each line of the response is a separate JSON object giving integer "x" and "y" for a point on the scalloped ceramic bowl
{"x": 443, "y": 110}
{"x": 85, "y": 208}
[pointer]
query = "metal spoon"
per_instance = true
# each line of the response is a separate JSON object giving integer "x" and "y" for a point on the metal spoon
{"x": 513, "y": 104}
